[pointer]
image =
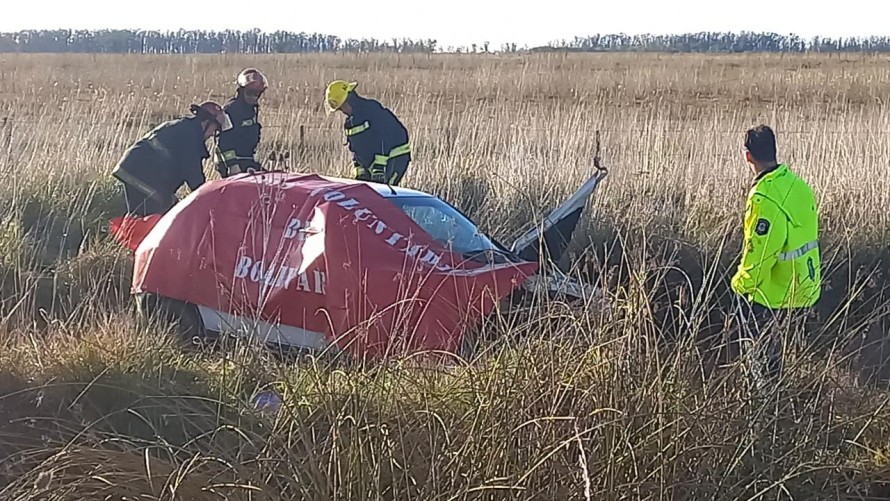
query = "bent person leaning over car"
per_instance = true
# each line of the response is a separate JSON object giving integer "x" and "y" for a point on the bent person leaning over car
{"x": 378, "y": 140}
{"x": 153, "y": 169}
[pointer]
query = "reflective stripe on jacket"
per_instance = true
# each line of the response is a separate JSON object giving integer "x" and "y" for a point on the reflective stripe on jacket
{"x": 781, "y": 263}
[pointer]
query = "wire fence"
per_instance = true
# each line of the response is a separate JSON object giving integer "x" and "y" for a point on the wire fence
{"x": 306, "y": 140}
{"x": 10, "y": 122}
{"x": 304, "y": 134}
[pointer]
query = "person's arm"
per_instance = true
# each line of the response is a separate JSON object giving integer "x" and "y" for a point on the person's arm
{"x": 196, "y": 176}
{"x": 259, "y": 137}
{"x": 361, "y": 136}
{"x": 193, "y": 161}
{"x": 766, "y": 229}
{"x": 227, "y": 142}
{"x": 386, "y": 134}
{"x": 259, "y": 131}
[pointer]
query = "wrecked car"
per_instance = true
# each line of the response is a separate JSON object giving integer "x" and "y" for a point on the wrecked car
{"x": 303, "y": 261}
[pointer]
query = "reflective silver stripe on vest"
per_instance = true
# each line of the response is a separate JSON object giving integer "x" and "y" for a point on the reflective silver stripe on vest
{"x": 800, "y": 251}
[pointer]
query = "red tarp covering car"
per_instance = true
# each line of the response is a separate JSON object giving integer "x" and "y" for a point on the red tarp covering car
{"x": 132, "y": 230}
{"x": 323, "y": 255}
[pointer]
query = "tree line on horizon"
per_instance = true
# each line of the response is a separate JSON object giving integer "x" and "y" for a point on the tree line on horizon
{"x": 281, "y": 42}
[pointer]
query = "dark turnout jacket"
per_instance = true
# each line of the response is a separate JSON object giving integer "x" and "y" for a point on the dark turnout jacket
{"x": 374, "y": 135}
{"x": 237, "y": 146}
{"x": 168, "y": 156}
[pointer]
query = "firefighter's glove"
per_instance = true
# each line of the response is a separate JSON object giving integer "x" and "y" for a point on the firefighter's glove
{"x": 223, "y": 170}
{"x": 378, "y": 175}
{"x": 360, "y": 173}
{"x": 254, "y": 166}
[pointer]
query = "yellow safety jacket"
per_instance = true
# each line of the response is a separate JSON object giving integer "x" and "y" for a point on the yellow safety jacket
{"x": 780, "y": 265}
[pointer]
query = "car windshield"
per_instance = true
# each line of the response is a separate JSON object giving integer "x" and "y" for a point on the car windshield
{"x": 445, "y": 224}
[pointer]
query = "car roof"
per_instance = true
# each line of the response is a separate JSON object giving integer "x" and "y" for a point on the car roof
{"x": 384, "y": 190}
{"x": 397, "y": 191}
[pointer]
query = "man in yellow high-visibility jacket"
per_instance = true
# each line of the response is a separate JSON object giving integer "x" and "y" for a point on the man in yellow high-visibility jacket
{"x": 780, "y": 268}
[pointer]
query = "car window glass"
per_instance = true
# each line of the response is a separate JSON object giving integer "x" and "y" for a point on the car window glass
{"x": 445, "y": 225}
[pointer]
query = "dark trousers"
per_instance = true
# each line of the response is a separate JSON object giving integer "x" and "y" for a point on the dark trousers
{"x": 396, "y": 169}
{"x": 760, "y": 338}
{"x": 140, "y": 204}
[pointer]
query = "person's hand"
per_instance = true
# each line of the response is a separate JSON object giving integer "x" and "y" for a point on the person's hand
{"x": 361, "y": 174}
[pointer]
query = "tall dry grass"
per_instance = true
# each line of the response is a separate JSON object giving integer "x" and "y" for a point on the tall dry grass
{"x": 565, "y": 404}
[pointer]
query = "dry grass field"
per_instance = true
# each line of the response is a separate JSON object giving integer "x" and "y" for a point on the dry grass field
{"x": 624, "y": 404}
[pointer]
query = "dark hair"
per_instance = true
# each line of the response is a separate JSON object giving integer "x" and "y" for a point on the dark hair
{"x": 761, "y": 142}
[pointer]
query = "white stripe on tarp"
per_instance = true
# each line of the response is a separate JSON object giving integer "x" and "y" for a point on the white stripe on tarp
{"x": 262, "y": 332}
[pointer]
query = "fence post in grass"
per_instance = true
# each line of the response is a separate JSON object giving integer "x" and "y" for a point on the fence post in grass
{"x": 7, "y": 134}
{"x": 302, "y": 139}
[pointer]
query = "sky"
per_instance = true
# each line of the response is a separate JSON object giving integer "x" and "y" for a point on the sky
{"x": 461, "y": 22}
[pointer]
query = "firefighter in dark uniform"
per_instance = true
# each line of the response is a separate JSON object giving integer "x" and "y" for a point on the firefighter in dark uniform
{"x": 154, "y": 168}
{"x": 236, "y": 148}
{"x": 379, "y": 142}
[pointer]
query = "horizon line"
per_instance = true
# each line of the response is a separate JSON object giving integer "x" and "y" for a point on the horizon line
{"x": 789, "y": 34}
